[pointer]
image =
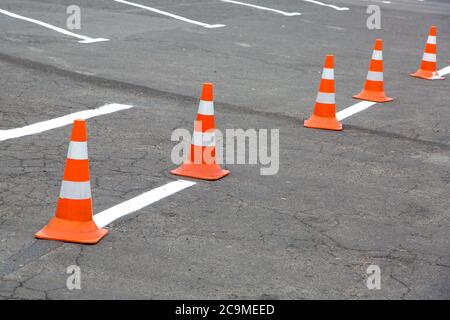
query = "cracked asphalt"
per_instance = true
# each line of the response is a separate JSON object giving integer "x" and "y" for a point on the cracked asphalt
{"x": 376, "y": 193}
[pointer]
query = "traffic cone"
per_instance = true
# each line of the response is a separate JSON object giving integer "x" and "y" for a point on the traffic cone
{"x": 324, "y": 115}
{"x": 374, "y": 87}
{"x": 428, "y": 66}
{"x": 201, "y": 162}
{"x": 73, "y": 219}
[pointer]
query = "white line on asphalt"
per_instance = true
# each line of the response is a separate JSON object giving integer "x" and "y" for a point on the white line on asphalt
{"x": 363, "y": 105}
{"x": 444, "y": 71}
{"x": 327, "y": 5}
{"x": 288, "y": 14}
{"x": 205, "y": 25}
{"x": 360, "y": 106}
{"x": 60, "y": 122}
{"x": 106, "y": 217}
{"x": 84, "y": 39}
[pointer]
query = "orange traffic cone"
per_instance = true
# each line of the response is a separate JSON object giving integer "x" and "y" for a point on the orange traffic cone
{"x": 324, "y": 115}
{"x": 201, "y": 162}
{"x": 374, "y": 87}
{"x": 73, "y": 219}
{"x": 428, "y": 66}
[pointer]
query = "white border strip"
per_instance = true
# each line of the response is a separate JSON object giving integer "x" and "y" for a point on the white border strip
{"x": 104, "y": 218}
{"x": 84, "y": 39}
{"x": 284, "y": 13}
{"x": 360, "y": 106}
{"x": 327, "y": 5}
{"x": 204, "y": 25}
{"x": 61, "y": 121}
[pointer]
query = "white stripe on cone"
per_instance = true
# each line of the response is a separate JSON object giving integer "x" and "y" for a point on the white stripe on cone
{"x": 328, "y": 74}
{"x": 206, "y": 108}
{"x": 326, "y": 98}
{"x": 75, "y": 190}
{"x": 431, "y": 40}
{"x": 377, "y": 55}
{"x": 77, "y": 150}
{"x": 375, "y": 76}
{"x": 430, "y": 57}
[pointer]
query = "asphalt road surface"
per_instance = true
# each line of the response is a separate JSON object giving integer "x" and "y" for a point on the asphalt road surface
{"x": 377, "y": 193}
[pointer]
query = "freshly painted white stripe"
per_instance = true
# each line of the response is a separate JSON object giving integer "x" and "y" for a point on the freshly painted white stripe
{"x": 444, "y": 71}
{"x": 327, "y": 5}
{"x": 75, "y": 190}
{"x": 84, "y": 39}
{"x": 375, "y": 76}
{"x": 328, "y": 74}
{"x": 104, "y": 218}
{"x": 168, "y": 14}
{"x": 377, "y": 55}
{"x": 360, "y": 106}
{"x": 206, "y": 108}
{"x": 431, "y": 40}
{"x": 77, "y": 150}
{"x": 61, "y": 121}
{"x": 327, "y": 98}
{"x": 204, "y": 139}
{"x": 430, "y": 57}
{"x": 284, "y": 13}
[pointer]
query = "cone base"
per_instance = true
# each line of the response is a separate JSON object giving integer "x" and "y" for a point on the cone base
{"x": 373, "y": 96}
{"x": 427, "y": 75}
{"x": 85, "y": 232}
{"x": 317, "y": 122}
{"x": 210, "y": 172}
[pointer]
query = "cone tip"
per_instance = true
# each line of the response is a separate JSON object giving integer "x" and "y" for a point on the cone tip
{"x": 378, "y": 44}
{"x": 207, "y": 92}
{"x": 433, "y": 31}
{"x": 329, "y": 61}
{"x": 79, "y": 131}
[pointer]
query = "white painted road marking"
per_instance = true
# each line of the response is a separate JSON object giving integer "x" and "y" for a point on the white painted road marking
{"x": 363, "y": 105}
{"x": 106, "y": 217}
{"x": 327, "y": 5}
{"x": 288, "y": 14}
{"x": 60, "y": 122}
{"x": 84, "y": 39}
{"x": 360, "y": 106}
{"x": 204, "y": 25}
{"x": 444, "y": 71}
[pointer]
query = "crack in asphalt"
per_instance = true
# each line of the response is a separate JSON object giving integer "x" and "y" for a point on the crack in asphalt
{"x": 408, "y": 289}
{"x": 27, "y": 255}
